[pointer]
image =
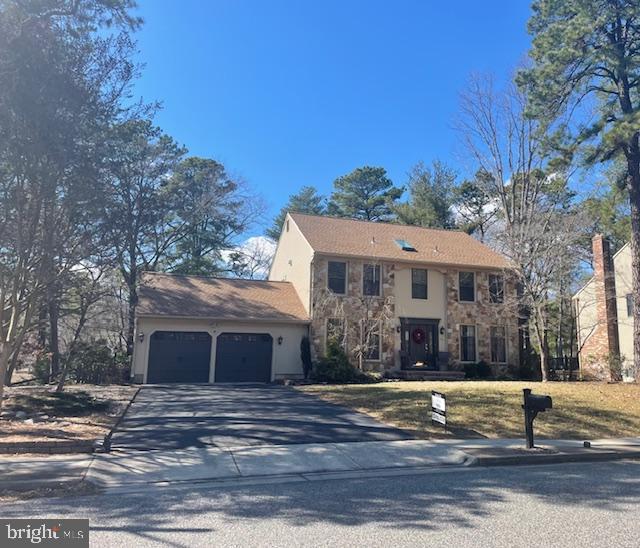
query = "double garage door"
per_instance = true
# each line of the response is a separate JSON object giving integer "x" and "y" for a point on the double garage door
{"x": 185, "y": 356}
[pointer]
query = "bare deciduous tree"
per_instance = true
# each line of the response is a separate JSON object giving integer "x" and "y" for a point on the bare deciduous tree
{"x": 538, "y": 227}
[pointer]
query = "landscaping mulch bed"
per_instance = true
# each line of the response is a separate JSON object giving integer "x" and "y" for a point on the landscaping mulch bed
{"x": 80, "y": 414}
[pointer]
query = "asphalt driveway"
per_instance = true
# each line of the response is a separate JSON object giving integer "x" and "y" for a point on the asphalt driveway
{"x": 224, "y": 416}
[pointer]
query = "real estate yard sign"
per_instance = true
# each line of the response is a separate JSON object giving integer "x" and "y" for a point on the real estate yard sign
{"x": 438, "y": 408}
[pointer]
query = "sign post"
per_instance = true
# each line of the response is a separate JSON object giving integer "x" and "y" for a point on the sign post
{"x": 438, "y": 409}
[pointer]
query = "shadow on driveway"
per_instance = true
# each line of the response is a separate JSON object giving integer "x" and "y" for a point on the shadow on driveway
{"x": 223, "y": 416}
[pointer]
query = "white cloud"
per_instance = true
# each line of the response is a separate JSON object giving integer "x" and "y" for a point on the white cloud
{"x": 257, "y": 253}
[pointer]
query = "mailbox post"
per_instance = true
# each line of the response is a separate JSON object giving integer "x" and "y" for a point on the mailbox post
{"x": 533, "y": 405}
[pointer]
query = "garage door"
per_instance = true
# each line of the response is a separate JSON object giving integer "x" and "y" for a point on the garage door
{"x": 179, "y": 356}
{"x": 243, "y": 357}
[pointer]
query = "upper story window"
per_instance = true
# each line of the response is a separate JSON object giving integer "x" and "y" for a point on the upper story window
{"x": 337, "y": 279}
{"x": 629, "y": 305}
{"x": 418, "y": 283}
{"x": 496, "y": 288}
{"x": 371, "y": 279}
{"x": 467, "y": 286}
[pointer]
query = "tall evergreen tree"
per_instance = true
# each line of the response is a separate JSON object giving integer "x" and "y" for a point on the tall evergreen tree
{"x": 208, "y": 209}
{"x": 476, "y": 208}
{"x": 365, "y": 193}
{"x": 590, "y": 50}
{"x": 62, "y": 77}
{"x": 138, "y": 212}
{"x": 431, "y": 197}
{"x": 306, "y": 201}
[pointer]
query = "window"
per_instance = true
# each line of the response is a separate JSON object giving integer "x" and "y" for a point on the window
{"x": 371, "y": 279}
{"x": 496, "y": 288}
{"x": 335, "y": 333}
{"x": 404, "y": 245}
{"x": 468, "y": 343}
{"x": 418, "y": 283}
{"x": 629, "y": 305}
{"x": 371, "y": 340}
{"x": 467, "y": 286}
{"x": 337, "y": 281}
{"x": 498, "y": 345}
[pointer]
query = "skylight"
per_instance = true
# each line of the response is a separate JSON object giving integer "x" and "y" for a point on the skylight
{"x": 405, "y": 246}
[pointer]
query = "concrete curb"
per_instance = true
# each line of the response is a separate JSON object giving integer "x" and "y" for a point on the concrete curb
{"x": 105, "y": 447}
{"x": 557, "y": 458}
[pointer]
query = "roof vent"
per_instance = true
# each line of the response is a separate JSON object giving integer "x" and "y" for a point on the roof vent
{"x": 405, "y": 246}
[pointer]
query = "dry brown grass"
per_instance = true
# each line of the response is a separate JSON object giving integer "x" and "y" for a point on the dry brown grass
{"x": 493, "y": 409}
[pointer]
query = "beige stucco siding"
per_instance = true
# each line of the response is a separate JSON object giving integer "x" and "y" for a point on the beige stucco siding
{"x": 586, "y": 313}
{"x": 624, "y": 286}
{"x": 434, "y": 307}
{"x": 285, "y": 359}
{"x": 292, "y": 261}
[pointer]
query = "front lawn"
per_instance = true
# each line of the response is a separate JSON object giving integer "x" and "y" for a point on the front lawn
{"x": 493, "y": 409}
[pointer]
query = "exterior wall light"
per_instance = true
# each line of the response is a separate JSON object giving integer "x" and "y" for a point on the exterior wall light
{"x": 442, "y": 330}
{"x": 280, "y": 339}
{"x": 141, "y": 336}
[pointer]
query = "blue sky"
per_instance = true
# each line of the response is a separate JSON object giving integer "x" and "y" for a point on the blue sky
{"x": 289, "y": 93}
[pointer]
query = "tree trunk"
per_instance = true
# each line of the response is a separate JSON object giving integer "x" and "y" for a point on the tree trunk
{"x": 634, "y": 200}
{"x": 54, "y": 337}
{"x": 540, "y": 326}
{"x": 133, "y": 301}
{"x": 4, "y": 360}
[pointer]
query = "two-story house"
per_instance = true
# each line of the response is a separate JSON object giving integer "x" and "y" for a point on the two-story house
{"x": 399, "y": 299}
{"x": 403, "y": 298}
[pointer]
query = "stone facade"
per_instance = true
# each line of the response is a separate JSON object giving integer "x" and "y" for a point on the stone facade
{"x": 483, "y": 314}
{"x": 354, "y": 308}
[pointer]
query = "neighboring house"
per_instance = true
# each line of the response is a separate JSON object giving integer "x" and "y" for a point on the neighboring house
{"x": 400, "y": 298}
{"x": 199, "y": 329}
{"x": 604, "y": 313}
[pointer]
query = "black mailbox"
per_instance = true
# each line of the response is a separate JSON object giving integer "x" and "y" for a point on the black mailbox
{"x": 533, "y": 404}
{"x": 539, "y": 403}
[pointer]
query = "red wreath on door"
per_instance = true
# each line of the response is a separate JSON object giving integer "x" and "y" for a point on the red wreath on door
{"x": 418, "y": 335}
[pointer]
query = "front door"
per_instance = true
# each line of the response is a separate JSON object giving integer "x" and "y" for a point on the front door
{"x": 420, "y": 344}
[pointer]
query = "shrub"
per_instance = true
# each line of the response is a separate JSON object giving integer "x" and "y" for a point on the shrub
{"x": 480, "y": 370}
{"x": 484, "y": 370}
{"x": 95, "y": 363}
{"x": 41, "y": 368}
{"x": 305, "y": 356}
{"x": 470, "y": 371}
{"x": 335, "y": 367}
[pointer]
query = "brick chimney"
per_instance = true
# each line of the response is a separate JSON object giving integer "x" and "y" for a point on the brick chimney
{"x": 603, "y": 342}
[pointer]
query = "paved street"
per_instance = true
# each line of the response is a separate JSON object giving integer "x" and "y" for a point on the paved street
{"x": 555, "y": 505}
{"x": 200, "y": 416}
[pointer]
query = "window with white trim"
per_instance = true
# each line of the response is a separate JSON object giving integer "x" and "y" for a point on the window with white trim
{"x": 371, "y": 280}
{"x": 337, "y": 277}
{"x": 498, "y": 344}
{"x": 336, "y": 333}
{"x": 468, "y": 343}
{"x": 371, "y": 340}
{"x": 467, "y": 286}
